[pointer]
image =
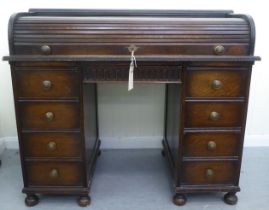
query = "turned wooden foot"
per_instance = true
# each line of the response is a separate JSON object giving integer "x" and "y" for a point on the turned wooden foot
{"x": 230, "y": 198}
{"x": 99, "y": 153}
{"x": 31, "y": 200}
{"x": 179, "y": 199}
{"x": 84, "y": 201}
{"x": 163, "y": 153}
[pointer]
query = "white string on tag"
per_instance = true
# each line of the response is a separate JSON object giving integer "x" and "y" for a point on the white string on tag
{"x": 131, "y": 71}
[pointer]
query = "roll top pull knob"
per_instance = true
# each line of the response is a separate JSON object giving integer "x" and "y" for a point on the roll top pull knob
{"x": 45, "y": 49}
{"x": 219, "y": 50}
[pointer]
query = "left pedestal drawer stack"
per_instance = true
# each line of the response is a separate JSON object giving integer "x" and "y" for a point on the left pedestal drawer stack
{"x": 50, "y": 129}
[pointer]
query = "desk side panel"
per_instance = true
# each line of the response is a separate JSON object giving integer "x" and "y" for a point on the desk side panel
{"x": 172, "y": 119}
{"x": 90, "y": 125}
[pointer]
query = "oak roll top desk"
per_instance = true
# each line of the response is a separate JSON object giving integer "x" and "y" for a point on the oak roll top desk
{"x": 58, "y": 57}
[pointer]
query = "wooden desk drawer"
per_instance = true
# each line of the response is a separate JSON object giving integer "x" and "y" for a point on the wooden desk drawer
{"x": 52, "y": 144}
{"x": 54, "y": 173}
{"x": 47, "y": 83}
{"x": 210, "y": 144}
{"x": 144, "y": 72}
{"x": 50, "y": 115}
{"x": 215, "y": 172}
{"x": 120, "y": 49}
{"x": 212, "y": 83}
{"x": 214, "y": 114}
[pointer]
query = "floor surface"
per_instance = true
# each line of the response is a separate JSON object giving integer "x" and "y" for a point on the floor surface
{"x": 139, "y": 180}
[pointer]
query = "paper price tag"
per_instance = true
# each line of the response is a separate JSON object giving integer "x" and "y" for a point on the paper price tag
{"x": 131, "y": 76}
{"x": 131, "y": 72}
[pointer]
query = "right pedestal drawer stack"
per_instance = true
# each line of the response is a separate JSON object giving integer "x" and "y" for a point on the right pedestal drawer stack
{"x": 212, "y": 129}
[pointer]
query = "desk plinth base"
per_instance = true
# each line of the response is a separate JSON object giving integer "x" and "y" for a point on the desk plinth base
{"x": 181, "y": 190}
{"x": 83, "y": 200}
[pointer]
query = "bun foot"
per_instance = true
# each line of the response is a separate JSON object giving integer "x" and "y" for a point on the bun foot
{"x": 163, "y": 153}
{"x": 179, "y": 199}
{"x": 31, "y": 200}
{"x": 230, "y": 198}
{"x": 84, "y": 201}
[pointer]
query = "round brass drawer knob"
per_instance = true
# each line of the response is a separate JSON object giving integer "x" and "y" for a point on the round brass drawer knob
{"x": 52, "y": 146}
{"x": 214, "y": 116}
{"x": 54, "y": 173}
{"x": 46, "y": 84}
{"x": 216, "y": 84}
{"x": 219, "y": 50}
{"x": 211, "y": 145}
{"x": 209, "y": 173}
{"x": 45, "y": 49}
{"x": 49, "y": 116}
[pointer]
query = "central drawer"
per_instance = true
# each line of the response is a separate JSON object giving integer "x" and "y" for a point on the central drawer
{"x": 144, "y": 72}
{"x": 54, "y": 173}
{"x": 214, "y": 114}
{"x": 50, "y": 115}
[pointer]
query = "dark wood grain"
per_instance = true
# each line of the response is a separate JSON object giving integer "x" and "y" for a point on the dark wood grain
{"x": 64, "y": 84}
{"x": 90, "y": 120}
{"x": 172, "y": 119}
{"x": 121, "y": 49}
{"x": 58, "y": 56}
{"x": 198, "y": 114}
{"x": 66, "y": 115}
{"x": 161, "y": 72}
{"x": 67, "y": 144}
{"x": 195, "y": 172}
{"x": 69, "y": 174}
{"x": 120, "y": 58}
{"x": 200, "y": 83}
{"x": 135, "y": 12}
{"x": 88, "y": 35}
{"x": 196, "y": 144}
